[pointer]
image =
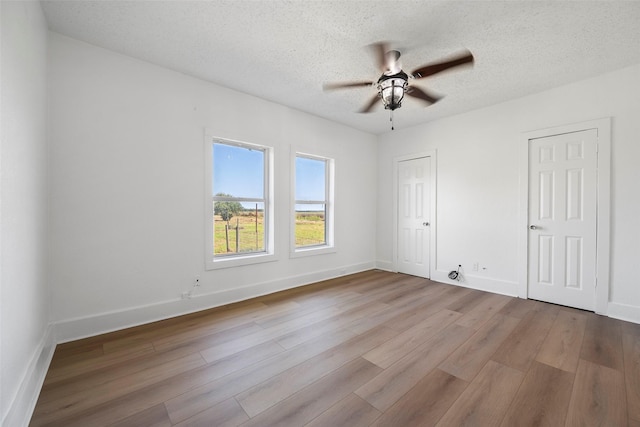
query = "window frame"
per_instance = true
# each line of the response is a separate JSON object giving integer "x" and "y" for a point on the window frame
{"x": 213, "y": 262}
{"x": 330, "y": 244}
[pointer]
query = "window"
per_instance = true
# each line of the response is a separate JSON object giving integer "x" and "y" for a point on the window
{"x": 239, "y": 209}
{"x": 313, "y": 204}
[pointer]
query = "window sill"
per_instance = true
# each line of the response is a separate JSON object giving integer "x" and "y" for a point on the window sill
{"x": 240, "y": 260}
{"x": 310, "y": 251}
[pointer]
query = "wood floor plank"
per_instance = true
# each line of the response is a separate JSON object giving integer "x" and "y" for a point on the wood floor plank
{"x": 213, "y": 326}
{"x": 305, "y": 333}
{"x": 389, "y": 317}
{"x": 237, "y": 344}
{"x": 338, "y": 299}
{"x": 313, "y": 400}
{"x": 518, "y": 307}
{"x": 381, "y": 284}
{"x": 77, "y": 402}
{"x": 351, "y": 411}
{"x": 280, "y": 386}
{"x": 631, "y": 328}
{"x": 358, "y": 312}
{"x": 273, "y": 332}
{"x": 425, "y": 403}
{"x": 300, "y": 357}
{"x": 156, "y": 416}
{"x": 200, "y": 398}
{"x": 543, "y": 398}
{"x": 411, "y": 288}
{"x": 210, "y": 321}
{"x": 131, "y": 344}
{"x": 301, "y": 293}
{"x": 318, "y": 300}
{"x": 631, "y": 346}
{"x": 520, "y": 348}
{"x": 144, "y": 398}
{"x": 80, "y": 367}
{"x": 350, "y": 311}
{"x": 125, "y": 370}
{"x": 414, "y": 315}
{"x": 427, "y": 290}
{"x": 385, "y": 389}
{"x": 204, "y": 342}
{"x": 602, "y": 342}
{"x": 404, "y": 317}
{"x": 308, "y": 317}
{"x": 353, "y": 282}
{"x": 66, "y": 356}
{"x": 225, "y": 414}
{"x": 466, "y": 361}
{"x": 366, "y": 317}
{"x": 399, "y": 346}
{"x": 561, "y": 349}
{"x": 468, "y": 301}
{"x": 598, "y": 397}
{"x": 483, "y": 311}
{"x": 486, "y": 400}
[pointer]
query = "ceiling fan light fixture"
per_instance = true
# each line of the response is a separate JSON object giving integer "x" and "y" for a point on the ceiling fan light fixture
{"x": 391, "y": 89}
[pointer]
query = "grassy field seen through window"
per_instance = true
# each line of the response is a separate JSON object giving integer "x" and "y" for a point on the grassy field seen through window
{"x": 245, "y": 233}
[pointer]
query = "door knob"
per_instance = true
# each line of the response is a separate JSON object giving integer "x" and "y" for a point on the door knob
{"x": 533, "y": 227}
{"x": 426, "y": 224}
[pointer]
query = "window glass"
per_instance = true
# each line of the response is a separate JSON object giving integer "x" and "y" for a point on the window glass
{"x": 310, "y": 179}
{"x": 238, "y": 171}
{"x": 238, "y": 200}
{"x": 311, "y": 201}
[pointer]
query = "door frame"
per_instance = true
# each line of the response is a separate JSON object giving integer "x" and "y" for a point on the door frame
{"x": 432, "y": 222}
{"x": 603, "y": 201}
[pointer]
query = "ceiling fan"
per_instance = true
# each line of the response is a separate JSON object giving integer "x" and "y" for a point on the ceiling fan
{"x": 394, "y": 83}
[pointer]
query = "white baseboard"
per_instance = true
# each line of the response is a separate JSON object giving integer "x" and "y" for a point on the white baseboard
{"x": 629, "y": 313}
{"x": 385, "y": 266}
{"x": 496, "y": 286}
{"x": 24, "y": 401}
{"x": 73, "y": 329}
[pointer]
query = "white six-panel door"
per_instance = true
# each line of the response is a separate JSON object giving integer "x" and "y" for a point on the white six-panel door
{"x": 562, "y": 219}
{"x": 414, "y": 199}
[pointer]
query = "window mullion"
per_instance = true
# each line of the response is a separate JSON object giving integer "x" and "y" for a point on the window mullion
{"x": 236, "y": 199}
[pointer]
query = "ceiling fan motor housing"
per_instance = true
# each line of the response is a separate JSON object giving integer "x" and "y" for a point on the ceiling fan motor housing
{"x": 392, "y": 89}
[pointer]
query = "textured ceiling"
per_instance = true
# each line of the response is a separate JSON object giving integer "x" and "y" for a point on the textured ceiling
{"x": 284, "y": 51}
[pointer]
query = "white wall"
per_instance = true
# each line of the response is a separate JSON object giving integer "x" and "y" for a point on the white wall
{"x": 478, "y": 181}
{"x": 127, "y": 190}
{"x": 25, "y": 340}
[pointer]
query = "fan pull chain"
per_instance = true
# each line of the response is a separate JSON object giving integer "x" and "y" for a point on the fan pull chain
{"x": 391, "y": 119}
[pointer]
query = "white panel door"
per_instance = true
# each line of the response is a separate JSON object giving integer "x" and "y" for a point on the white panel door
{"x": 562, "y": 219}
{"x": 414, "y": 207}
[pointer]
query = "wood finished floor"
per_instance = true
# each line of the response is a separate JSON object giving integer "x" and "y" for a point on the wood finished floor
{"x": 370, "y": 349}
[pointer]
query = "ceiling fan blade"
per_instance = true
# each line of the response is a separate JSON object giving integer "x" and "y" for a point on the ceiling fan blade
{"x": 367, "y": 108}
{"x": 379, "y": 51}
{"x": 430, "y": 69}
{"x": 345, "y": 85}
{"x": 416, "y": 92}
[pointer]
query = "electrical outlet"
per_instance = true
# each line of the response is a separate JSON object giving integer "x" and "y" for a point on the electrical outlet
{"x": 475, "y": 266}
{"x": 196, "y": 280}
